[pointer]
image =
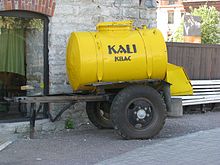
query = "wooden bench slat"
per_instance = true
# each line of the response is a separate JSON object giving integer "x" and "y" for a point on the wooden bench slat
{"x": 205, "y": 82}
{"x": 196, "y": 97}
{"x": 201, "y": 101}
{"x": 205, "y": 90}
{"x": 206, "y": 93}
{"x": 205, "y": 87}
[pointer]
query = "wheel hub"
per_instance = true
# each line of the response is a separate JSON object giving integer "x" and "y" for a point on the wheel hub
{"x": 141, "y": 114}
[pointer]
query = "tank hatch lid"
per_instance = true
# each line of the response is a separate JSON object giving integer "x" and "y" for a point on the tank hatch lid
{"x": 115, "y": 26}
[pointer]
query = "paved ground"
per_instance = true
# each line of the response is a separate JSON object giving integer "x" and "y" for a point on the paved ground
{"x": 7, "y": 139}
{"x": 92, "y": 146}
{"x": 199, "y": 148}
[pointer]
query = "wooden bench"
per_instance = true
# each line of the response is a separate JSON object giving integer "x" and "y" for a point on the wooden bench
{"x": 204, "y": 92}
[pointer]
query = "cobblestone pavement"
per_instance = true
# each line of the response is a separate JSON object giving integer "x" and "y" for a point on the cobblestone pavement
{"x": 91, "y": 146}
{"x": 197, "y": 148}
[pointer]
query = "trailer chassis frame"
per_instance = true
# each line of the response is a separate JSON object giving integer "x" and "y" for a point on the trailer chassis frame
{"x": 36, "y": 103}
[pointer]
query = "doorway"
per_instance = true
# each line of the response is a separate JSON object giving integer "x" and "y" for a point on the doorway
{"x": 24, "y": 67}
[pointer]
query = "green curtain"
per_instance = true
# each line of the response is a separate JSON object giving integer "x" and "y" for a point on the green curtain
{"x": 12, "y": 49}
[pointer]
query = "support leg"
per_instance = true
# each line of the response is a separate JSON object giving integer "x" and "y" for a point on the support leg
{"x": 203, "y": 109}
{"x": 167, "y": 96}
{"x": 32, "y": 119}
{"x": 212, "y": 106}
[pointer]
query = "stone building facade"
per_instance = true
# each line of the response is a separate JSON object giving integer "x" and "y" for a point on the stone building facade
{"x": 66, "y": 16}
{"x": 171, "y": 12}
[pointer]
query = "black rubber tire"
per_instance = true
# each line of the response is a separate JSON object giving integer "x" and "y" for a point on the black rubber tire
{"x": 118, "y": 112}
{"x": 95, "y": 116}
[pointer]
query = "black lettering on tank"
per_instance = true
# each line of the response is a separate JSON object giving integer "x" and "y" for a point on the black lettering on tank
{"x": 121, "y": 49}
{"x": 111, "y": 49}
{"x": 134, "y": 48}
{"x": 127, "y": 49}
{"x": 122, "y": 58}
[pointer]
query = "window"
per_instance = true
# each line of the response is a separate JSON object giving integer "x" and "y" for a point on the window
{"x": 170, "y": 17}
{"x": 171, "y": 2}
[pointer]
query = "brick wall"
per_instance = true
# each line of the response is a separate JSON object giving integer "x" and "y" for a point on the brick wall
{"x": 46, "y": 7}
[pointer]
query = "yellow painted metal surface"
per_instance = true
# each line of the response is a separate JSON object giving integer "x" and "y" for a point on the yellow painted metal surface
{"x": 180, "y": 83}
{"x": 115, "y": 52}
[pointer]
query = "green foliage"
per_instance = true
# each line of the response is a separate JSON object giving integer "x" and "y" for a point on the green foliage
{"x": 69, "y": 123}
{"x": 210, "y": 31}
{"x": 16, "y": 23}
{"x": 36, "y": 24}
{"x": 209, "y": 23}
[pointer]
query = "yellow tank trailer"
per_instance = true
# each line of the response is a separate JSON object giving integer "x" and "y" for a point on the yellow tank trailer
{"x": 135, "y": 58}
{"x": 118, "y": 52}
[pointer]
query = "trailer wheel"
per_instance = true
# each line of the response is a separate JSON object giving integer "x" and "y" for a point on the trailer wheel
{"x": 99, "y": 114}
{"x": 138, "y": 112}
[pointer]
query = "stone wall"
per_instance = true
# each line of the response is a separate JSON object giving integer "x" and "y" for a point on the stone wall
{"x": 79, "y": 15}
{"x": 83, "y": 15}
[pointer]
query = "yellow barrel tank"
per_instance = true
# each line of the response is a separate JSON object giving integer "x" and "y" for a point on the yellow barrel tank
{"x": 115, "y": 52}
